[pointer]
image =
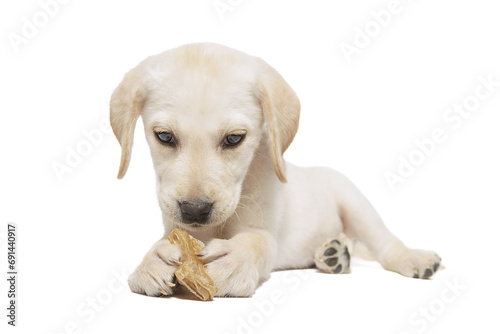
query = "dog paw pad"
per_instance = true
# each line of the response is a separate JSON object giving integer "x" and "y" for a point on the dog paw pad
{"x": 333, "y": 257}
{"x": 330, "y": 251}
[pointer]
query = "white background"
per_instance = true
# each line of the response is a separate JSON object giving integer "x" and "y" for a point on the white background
{"x": 77, "y": 233}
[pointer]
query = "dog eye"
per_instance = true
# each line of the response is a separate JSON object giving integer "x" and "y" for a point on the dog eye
{"x": 165, "y": 137}
{"x": 233, "y": 140}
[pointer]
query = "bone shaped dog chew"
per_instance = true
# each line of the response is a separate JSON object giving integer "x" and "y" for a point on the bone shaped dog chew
{"x": 192, "y": 273}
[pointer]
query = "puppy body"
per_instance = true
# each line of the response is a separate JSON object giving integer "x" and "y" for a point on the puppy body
{"x": 260, "y": 213}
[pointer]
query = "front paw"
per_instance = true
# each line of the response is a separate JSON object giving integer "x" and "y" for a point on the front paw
{"x": 155, "y": 275}
{"x": 232, "y": 270}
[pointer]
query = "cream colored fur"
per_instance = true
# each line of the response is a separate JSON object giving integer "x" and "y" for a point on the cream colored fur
{"x": 267, "y": 214}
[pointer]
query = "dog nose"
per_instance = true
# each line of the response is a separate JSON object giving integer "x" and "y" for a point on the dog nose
{"x": 195, "y": 211}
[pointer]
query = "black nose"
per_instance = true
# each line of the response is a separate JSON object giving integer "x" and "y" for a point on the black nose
{"x": 195, "y": 211}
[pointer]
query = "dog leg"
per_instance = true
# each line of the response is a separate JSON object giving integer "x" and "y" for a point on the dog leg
{"x": 155, "y": 275}
{"x": 362, "y": 222}
{"x": 238, "y": 265}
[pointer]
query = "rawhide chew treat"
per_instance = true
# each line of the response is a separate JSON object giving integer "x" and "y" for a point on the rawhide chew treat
{"x": 192, "y": 273}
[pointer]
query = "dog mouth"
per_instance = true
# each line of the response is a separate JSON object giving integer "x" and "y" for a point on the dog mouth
{"x": 193, "y": 225}
{"x": 190, "y": 225}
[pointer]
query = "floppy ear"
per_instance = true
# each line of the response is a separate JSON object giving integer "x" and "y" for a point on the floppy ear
{"x": 281, "y": 108}
{"x": 125, "y": 107}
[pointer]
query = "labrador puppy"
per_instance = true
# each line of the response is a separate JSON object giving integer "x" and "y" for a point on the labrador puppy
{"x": 217, "y": 122}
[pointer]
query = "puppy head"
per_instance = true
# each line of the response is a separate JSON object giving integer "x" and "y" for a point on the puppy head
{"x": 205, "y": 109}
